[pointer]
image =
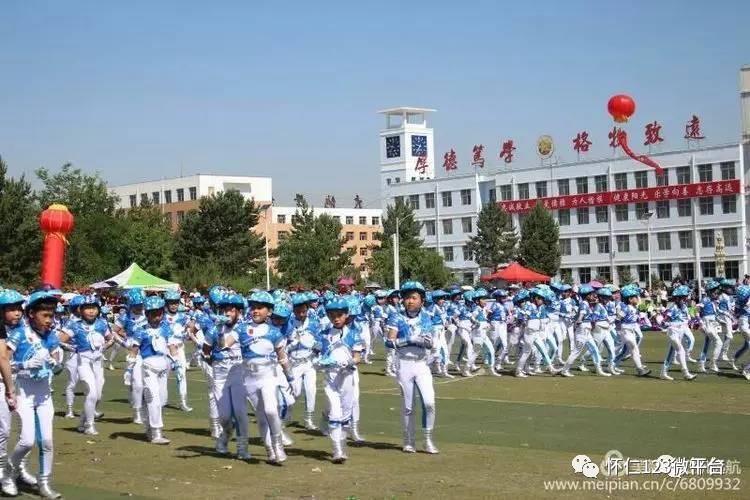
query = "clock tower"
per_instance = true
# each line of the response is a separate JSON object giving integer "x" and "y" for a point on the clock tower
{"x": 406, "y": 147}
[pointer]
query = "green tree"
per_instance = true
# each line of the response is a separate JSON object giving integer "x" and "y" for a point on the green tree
{"x": 496, "y": 239}
{"x": 21, "y": 241}
{"x": 220, "y": 232}
{"x": 146, "y": 238}
{"x": 539, "y": 248}
{"x": 93, "y": 253}
{"x": 313, "y": 254}
{"x": 624, "y": 275}
{"x": 416, "y": 261}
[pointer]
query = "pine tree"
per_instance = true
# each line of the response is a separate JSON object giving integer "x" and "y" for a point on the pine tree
{"x": 496, "y": 239}
{"x": 313, "y": 254}
{"x": 540, "y": 247}
{"x": 416, "y": 261}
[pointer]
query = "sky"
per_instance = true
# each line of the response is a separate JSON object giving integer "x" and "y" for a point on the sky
{"x": 141, "y": 90}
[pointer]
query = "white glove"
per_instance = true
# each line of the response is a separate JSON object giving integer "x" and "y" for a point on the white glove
{"x": 37, "y": 361}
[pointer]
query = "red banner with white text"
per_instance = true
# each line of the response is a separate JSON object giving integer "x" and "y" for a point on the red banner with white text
{"x": 700, "y": 189}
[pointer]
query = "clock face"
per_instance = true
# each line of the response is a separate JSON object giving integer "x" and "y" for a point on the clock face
{"x": 419, "y": 145}
{"x": 392, "y": 146}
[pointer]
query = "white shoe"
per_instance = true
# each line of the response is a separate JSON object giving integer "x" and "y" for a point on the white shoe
{"x": 285, "y": 439}
{"x": 724, "y": 357}
{"x": 692, "y": 359}
{"x": 137, "y": 419}
{"x": 583, "y": 368}
{"x": 601, "y": 372}
{"x": 553, "y": 370}
{"x": 714, "y": 368}
{"x": 665, "y": 376}
{"x": 521, "y": 374}
{"x": 702, "y": 367}
{"x": 429, "y": 446}
{"x": 222, "y": 445}
{"x": 90, "y": 430}
{"x": 110, "y": 367}
{"x": 69, "y": 413}
{"x": 734, "y": 366}
{"x": 642, "y": 372}
{"x": 566, "y": 373}
{"x": 9, "y": 487}
{"x": 688, "y": 376}
{"x": 408, "y": 448}
{"x": 184, "y": 406}
{"x": 494, "y": 373}
{"x": 746, "y": 374}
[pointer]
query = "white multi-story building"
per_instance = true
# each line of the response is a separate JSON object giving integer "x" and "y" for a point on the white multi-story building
{"x": 615, "y": 214}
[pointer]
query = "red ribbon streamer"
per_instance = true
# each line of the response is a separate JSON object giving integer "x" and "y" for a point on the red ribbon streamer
{"x": 622, "y": 139}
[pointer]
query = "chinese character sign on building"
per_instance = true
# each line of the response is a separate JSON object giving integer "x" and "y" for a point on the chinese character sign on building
{"x": 717, "y": 188}
{"x": 449, "y": 161}
{"x": 581, "y": 142}
{"x": 421, "y": 166}
{"x": 652, "y": 133}
{"x": 693, "y": 129}
{"x": 614, "y": 138}
{"x": 506, "y": 151}
{"x": 477, "y": 158}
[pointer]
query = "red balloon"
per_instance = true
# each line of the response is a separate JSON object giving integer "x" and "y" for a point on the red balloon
{"x": 621, "y": 107}
{"x": 56, "y": 222}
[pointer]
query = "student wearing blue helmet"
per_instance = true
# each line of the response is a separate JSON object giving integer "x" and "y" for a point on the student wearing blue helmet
{"x": 125, "y": 325}
{"x": 742, "y": 311}
{"x": 89, "y": 336}
{"x": 534, "y": 313}
{"x": 340, "y": 352}
{"x": 725, "y": 315}
{"x": 11, "y": 319}
{"x": 411, "y": 334}
{"x": 151, "y": 343}
{"x": 676, "y": 319}
{"x": 498, "y": 316}
{"x": 71, "y": 358}
{"x": 440, "y": 353}
{"x": 480, "y": 332}
{"x": 588, "y": 315}
{"x": 35, "y": 353}
{"x": 629, "y": 327}
{"x": 183, "y": 328}
{"x": 393, "y": 305}
{"x": 302, "y": 338}
{"x": 707, "y": 310}
{"x": 603, "y": 328}
{"x": 378, "y": 316}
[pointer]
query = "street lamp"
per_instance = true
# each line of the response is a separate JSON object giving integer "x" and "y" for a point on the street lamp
{"x": 267, "y": 211}
{"x": 646, "y": 219}
{"x": 396, "y": 254}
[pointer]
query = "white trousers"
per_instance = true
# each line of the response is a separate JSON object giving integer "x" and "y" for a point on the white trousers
{"x": 91, "y": 373}
{"x": 155, "y": 370}
{"x": 36, "y": 411}
{"x": 305, "y": 378}
{"x": 231, "y": 396}
{"x": 630, "y": 334}
{"x": 262, "y": 387}
{"x": 71, "y": 365}
{"x": 415, "y": 374}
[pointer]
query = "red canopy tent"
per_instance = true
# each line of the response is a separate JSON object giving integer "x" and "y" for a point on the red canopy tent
{"x": 516, "y": 273}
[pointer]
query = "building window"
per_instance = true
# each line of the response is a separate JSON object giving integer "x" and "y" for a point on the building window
{"x": 466, "y": 197}
{"x": 582, "y": 185}
{"x": 493, "y": 195}
{"x": 566, "y": 274}
{"x": 523, "y": 191}
{"x": 600, "y": 183}
{"x": 621, "y": 181}
{"x": 602, "y": 244}
{"x": 506, "y": 192}
{"x": 684, "y": 208}
{"x": 687, "y": 270}
{"x": 707, "y": 238}
{"x": 584, "y": 246}
{"x": 641, "y": 209}
{"x": 565, "y": 246}
{"x": 582, "y": 214}
{"x": 665, "y": 272}
{"x": 180, "y": 195}
{"x": 388, "y": 181}
{"x": 730, "y": 236}
{"x": 603, "y": 273}
{"x": 414, "y": 201}
{"x": 683, "y": 175}
{"x": 662, "y": 209}
{"x": 350, "y": 236}
{"x": 448, "y": 254}
{"x": 429, "y": 227}
{"x": 350, "y": 219}
{"x": 727, "y": 170}
{"x": 168, "y": 196}
{"x": 623, "y": 243}
{"x": 622, "y": 273}
{"x": 664, "y": 241}
{"x": 686, "y": 239}
{"x": 398, "y": 200}
{"x": 705, "y": 173}
{"x": 642, "y": 273}
{"x": 732, "y": 269}
{"x": 337, "y": 218}
{"x": 363, "y": 251}
{"x": 180, "y": 215}
{"x": 363, "y": 236}
{"x": 467, "y": 253}
{"x": 144, "y": 199}
{"x": 563, "y": 187}
{"x": 282, "y": 235}
{"x": 466, "y": 224}
{"x": 706, "y": 205}
{"x": 641, "y": 241}
{"x": 397, "y": 180}
{"x": 429, "y": 200}
{"x": 563, "y": 217}
{"x": 584, "y": 274}
{"x": 602, "y": 214}
{"x": 662, "y": 179}
{"x": 709, "y": 269}
{"x": 133, "y": 201}
{"x": 295, "y": 219}
{"x": 193, "y": 193}
{"x": 362, "y": 220}
{"x": 281, "y": 219}
{"x": 447, "y": 198}
{"x": 641, "y": 179}
{"x": 541, "y": 189}
{"x": 621, "y": 212}
{"x": 376, "y": 221}
{"x": 729, "y": 204}
{"x": 447, "y": 226}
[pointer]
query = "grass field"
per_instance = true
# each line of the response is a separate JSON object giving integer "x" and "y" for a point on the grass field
{"x": 498, "y": 438}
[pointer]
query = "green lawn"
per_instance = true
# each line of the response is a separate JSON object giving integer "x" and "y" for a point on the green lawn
{"x": 498, "y": 438}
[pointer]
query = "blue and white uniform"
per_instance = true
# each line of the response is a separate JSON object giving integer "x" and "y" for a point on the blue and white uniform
{"x": 676, "y": 318}
{"x": 708, "y": 309}
{"x": 302, "y": 340}
{"x": 630, "y": 333}
{"x": 498, "y": 317}
{"x": 726, "y": 319}
{"x": 152, "y": 343}
{"x": 534, "y": 318}
{"x": 133, "y": 376}
{"x": 88, "y": 340}
{"x": 585, "y": 321}
{"x": 742, "y": 311}
{"x": 180, "y": 323}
